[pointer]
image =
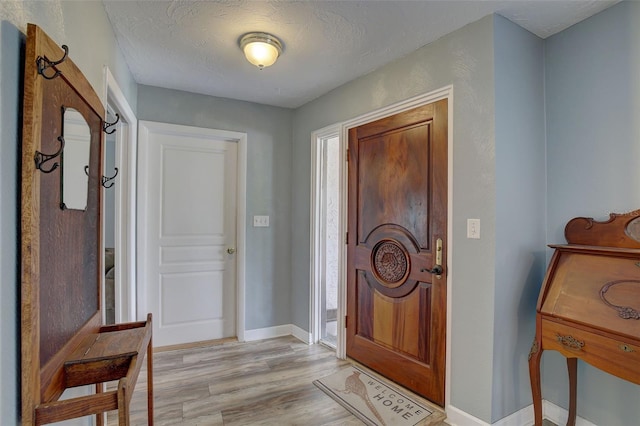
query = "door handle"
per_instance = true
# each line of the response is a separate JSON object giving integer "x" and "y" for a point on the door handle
{"x": 231, "y": 250}
{"x": 437, "y": 269}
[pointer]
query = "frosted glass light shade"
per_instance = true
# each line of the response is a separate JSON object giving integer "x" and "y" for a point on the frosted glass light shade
{"x": 261, "y": 49}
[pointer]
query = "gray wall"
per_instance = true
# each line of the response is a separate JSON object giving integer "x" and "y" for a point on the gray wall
{"x": 84, "y": 27}
{"x": 268, "y": 283}
{"x": 593, "y": 144}
{"x": 520, "y": 200}
{"x": 464, "y": 59}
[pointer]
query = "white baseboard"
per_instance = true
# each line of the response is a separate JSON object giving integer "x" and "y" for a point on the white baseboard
{"x": 457, "y": 417}
{"x": 277, "y": 331}
{"x": 267, "y": 332}
{"x": 300, "y": 334}
{"x": 559, "y": 415}
{"x": 523, "y": 417}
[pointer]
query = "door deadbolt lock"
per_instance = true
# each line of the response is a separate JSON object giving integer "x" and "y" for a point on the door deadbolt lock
{"x": 437, "y": 269}
{"x": 231, "y": 250}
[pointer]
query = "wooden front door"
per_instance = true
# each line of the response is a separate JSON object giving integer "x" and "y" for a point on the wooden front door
{"x": 397, "y": 232}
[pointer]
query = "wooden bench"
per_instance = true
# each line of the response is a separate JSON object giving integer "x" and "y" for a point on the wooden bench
{"x": 115, "y": 352}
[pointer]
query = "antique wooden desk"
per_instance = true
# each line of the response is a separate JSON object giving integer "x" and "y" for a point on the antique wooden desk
{"x": 589, "y": 304}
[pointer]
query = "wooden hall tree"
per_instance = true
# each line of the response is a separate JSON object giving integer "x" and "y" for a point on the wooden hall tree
{"x": 63, "y": 341}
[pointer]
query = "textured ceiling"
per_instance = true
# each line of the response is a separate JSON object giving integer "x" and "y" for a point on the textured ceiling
{"x": 193, "y": 45}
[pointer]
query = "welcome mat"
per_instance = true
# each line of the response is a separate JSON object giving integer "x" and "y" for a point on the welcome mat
{"x": 373, "y": 401}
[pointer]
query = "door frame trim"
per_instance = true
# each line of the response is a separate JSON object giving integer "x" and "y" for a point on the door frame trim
{"x": 125, "y": 202}
{"x": 398, "y": 107}
{"x": 144, "y": 128}
{"x": 316, "y": 228}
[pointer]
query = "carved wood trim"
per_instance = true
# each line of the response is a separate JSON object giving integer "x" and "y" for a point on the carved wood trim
{"x": 624, "y": 312}
{"x": 621, "y": 230}
{"x": 389, "y": 262}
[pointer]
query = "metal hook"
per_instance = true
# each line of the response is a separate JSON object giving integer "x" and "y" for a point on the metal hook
{"x": 41, "y": 158}
{"x": 108, "y": 179}
{"x": 107, "y": 125}
{"x": 44, "y": 63}
{"x": 104, "y": 178}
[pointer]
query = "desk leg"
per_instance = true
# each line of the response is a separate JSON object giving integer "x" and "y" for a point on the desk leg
{"x": 572, "y": 367}
{"x": 150, "y": 382}
{"x": 534, "y": 376}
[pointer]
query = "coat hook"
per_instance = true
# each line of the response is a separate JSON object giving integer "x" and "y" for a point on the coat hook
{"x": 107, "y": 125}
{"x": 44, "y": 63}
{"x": 41, "y": 158}
{"x": 108, "y": 179}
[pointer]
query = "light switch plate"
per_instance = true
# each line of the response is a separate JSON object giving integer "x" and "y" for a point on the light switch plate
{"x": 473, "y": 228}
{"x": 261, "y": 221}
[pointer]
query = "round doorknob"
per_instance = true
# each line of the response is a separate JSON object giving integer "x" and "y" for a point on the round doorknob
{"x": 231, "y": 250}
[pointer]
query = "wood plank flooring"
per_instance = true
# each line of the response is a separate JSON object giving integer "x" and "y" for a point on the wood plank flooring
{"x": 259, "y": 383}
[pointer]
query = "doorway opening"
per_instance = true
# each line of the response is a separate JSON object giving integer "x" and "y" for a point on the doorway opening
{"x": 119, "y": 206}
{"x": 191, "y": 245}
{"x": 327, "y": 244}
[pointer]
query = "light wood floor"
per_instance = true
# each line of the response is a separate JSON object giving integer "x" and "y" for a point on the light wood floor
{"x": 259, "y": 383}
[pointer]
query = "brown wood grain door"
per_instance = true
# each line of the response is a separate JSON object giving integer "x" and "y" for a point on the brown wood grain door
{"x": 396, "y": 308}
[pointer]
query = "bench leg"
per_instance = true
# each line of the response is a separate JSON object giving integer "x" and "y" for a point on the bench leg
{"x": 123, "y": 404}
{"x": 150, "y": 383}
{"x": 99, "y": 416}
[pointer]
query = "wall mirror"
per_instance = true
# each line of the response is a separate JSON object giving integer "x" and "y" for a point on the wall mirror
{"x": 74, "y": 182}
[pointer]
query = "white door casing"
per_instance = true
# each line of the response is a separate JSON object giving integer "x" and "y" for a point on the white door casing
{"x": 318, "y": 243}
{"x": 188, "y": 247}
{"x": 125, "y": 204}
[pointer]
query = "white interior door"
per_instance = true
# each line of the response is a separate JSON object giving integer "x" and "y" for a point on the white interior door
{"x": 187, "y": 200}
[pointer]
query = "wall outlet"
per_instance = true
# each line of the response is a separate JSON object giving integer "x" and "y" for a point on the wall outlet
{"x": 261, "y": 221}
{"x": 473, "y": 228}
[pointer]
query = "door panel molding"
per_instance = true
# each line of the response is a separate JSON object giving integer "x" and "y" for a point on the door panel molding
{"x": 147, "y": 128}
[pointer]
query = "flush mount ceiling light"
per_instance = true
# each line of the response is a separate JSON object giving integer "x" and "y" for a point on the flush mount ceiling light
{"x": 261, "y": 49}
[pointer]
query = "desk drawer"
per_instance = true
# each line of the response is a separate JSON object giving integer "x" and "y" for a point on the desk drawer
{"x": 609, "y": 354}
